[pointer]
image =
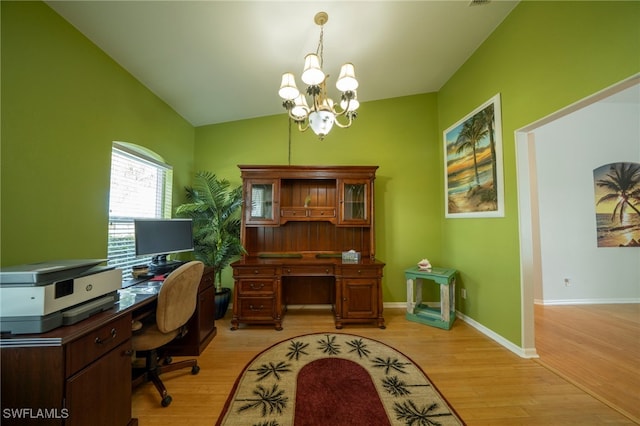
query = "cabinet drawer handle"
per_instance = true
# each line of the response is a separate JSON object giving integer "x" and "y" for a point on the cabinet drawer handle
{"x": 326, "y": 271}
{"x": 255, "y": 271}
{"x": 256, "y": 309}
{"x": 100, "y": 341}
{"x": 288, "y": 271}
{"x": 255, "y": 286}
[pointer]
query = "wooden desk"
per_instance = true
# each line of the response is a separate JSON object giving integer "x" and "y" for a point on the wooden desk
{"x": 74, "y": 375}
{"x": 354, "y": 290}
{"x": 445, "y": 314}
{"x": 81, "y": 374}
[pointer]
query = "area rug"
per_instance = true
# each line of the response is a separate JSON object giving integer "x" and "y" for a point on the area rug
{"x": 334, "y": 379}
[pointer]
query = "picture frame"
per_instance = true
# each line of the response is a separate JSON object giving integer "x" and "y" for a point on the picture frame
{"x": 617, "y": 218}
{"x": 473, "y": 169}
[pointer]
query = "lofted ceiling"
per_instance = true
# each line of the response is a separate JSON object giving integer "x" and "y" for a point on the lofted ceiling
{"x": 219, "y": 61}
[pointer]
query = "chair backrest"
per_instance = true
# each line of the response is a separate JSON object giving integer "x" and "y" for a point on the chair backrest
{"x": 178, "y": 296}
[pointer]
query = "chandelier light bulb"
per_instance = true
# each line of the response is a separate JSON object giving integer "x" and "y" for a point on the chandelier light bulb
{"x": 288, "y": 89}
{"x": 312, "y": 74}
{"x": 347, "y": 79}
{"x": 352, "y": 104}
{"x": 300, "y": 108}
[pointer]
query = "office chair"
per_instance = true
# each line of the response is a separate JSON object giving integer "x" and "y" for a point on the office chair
{"x": 176, "y": 304}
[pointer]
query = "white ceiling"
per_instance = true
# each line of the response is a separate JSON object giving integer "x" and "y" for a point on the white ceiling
{"x": 219, "y": 61}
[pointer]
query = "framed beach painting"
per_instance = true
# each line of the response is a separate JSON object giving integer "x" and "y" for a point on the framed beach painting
{"x": 617, "y": 192}
{"x": 473, "y": 164}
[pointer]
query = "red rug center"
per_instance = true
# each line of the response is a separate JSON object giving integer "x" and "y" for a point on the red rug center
{"x": 334, "y": 391}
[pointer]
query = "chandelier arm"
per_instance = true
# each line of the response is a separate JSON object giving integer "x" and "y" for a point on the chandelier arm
{"x": 339, "y": 111}
{"x": 303, "y": 125}
{"x": 295, "y": 118}
{"x": 350, "y": 118}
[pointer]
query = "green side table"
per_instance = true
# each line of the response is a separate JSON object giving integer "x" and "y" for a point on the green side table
{"x": 445, "y": 314}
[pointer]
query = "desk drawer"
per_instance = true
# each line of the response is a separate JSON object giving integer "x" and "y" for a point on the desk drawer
{"x": 293, "y": 212}
{"x": 254, "y": 270}
{"x": 96, "y": 343}
{"x": 256, "y": 308}
{"x": 321, "y": 212}
{"x": 360, "y": 271}
{"x": 308, "y": 270}
{"x": 247, "y": 287}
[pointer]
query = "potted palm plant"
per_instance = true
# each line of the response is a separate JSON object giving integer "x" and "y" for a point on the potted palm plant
{"x": 214, "y": 207}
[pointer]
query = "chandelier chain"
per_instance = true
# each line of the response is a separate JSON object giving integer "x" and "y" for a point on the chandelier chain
{"x": 320, "y": 49}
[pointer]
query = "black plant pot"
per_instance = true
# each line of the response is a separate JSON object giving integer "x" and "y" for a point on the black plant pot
{"x": 222, "y": 302}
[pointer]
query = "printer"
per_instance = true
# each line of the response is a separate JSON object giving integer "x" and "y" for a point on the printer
{"x": 38, "y": 297}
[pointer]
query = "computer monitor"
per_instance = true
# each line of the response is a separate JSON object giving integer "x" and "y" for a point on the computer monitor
{"x": 161, "y": 237}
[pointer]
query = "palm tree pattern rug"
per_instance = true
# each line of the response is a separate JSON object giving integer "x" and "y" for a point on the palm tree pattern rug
{"x": 334, "y": 379}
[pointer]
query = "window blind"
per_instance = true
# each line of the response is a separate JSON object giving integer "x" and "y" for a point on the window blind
{"x": 140, "y": 188}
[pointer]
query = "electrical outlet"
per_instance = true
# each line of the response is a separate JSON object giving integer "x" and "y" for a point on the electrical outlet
{"x": 463, "y": 293}
{"x": 567, "y": 282}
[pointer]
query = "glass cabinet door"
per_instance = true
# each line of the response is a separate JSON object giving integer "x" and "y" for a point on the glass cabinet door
{"x": 261, "y": 200}
{"x": 354, "y": 202}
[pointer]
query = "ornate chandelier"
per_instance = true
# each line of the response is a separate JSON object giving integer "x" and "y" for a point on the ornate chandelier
{"x": 323, "y": 113}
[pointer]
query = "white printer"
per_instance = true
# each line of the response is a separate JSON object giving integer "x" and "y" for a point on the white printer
{"x": 38, "y": 297}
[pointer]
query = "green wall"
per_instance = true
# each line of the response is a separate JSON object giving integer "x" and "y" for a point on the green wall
{"x": 542, "y": 58}
{"x": 63, "y": 103}
{"x": 399, "y": 135}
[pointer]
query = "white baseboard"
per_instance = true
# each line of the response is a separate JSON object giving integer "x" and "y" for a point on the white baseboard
{"x": 585, "y": 301}
{"x": 392, "y": 305}
{"x": 521, "y": 352}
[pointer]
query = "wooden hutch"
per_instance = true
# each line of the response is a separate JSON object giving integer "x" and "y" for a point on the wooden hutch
{"x": 296, "y": 223}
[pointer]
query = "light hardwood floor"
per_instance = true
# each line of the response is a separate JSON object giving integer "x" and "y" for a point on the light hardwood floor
{"x": 595, "y": 346}
{"x": 484, "y": 382}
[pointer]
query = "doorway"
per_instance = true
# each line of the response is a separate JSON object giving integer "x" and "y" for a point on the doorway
{"x": 532, "y": 202}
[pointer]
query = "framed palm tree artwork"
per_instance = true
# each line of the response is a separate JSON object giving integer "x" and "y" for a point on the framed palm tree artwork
{"x": 617, "y": 192}
{"x": 473, "y": 164}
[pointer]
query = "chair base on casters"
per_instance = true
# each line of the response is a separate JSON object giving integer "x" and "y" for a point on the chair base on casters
{"x": 152, "y": 371}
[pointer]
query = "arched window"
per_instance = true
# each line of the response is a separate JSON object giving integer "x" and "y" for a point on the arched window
{"x": 140, "y": 188}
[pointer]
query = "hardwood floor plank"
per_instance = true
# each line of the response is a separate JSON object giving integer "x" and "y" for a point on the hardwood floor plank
{"x": 597, "y": 347}
{"x": 484, "y": 382}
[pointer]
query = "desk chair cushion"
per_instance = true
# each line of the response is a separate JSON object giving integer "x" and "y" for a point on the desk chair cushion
{"x": 178, "y": 296}
{"x": 177, "y": 301}
{"x": 152, "y": 338}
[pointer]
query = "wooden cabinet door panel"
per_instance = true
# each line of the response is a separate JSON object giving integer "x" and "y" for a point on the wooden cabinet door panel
{"x": 261, "y": 201}
{"x": 206, "y": 313}
{"x": 32, "y": 377}
{"x": 100, "y": 394}
{"x": 355, "y": 202}
{"x": 359, "y": 298}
